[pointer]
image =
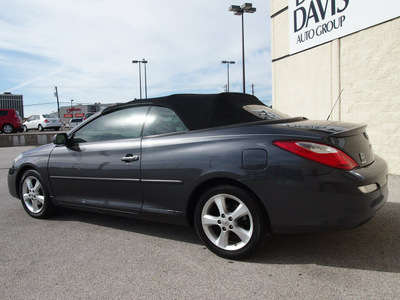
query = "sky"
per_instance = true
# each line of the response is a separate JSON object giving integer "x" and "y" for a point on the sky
{"x": 86, "y": 48}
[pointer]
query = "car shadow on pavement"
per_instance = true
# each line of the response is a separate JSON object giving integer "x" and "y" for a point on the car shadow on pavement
{"x": 161, "y": 230}
{"x": 373, "y": 246}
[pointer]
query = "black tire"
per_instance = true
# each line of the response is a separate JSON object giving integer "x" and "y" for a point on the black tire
{"x": 8, "y": 128}
{"x": 238, "y": 213}
{"x": 57, "y": 128}
{"x": 25, "y": 129}
{"x": 40, "y": 127}
{"x": 34, "y": 196}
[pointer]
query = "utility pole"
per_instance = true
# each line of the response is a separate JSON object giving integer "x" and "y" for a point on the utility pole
{"x": 252, "y": 89}
{"x": 58, "y": 102}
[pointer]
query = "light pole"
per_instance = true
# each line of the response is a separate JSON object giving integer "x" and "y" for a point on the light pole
{"x": 239, "y": 11}
{"x": 145, "y": 77}
{"x": 227, "y": 70}
{"x": 71, "y": 102}
{"x": 140, "y": 77}
{"x": 143, "y": 61}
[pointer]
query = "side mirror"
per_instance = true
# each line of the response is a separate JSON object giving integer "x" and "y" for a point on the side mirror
{"x": 60, "y": 139}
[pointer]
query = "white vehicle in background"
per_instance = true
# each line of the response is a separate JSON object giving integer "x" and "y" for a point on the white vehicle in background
{"x": 75, "y": 122}
{"x": 41, "y": 122}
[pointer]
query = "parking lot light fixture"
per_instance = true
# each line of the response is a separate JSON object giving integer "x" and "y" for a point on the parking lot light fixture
{"x": 239, "y": 11}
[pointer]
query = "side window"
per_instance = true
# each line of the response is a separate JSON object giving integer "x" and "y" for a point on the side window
{"x": 162, "y": 120}
{"x": 3, "y": 113}
{"x": 121, "y": 124}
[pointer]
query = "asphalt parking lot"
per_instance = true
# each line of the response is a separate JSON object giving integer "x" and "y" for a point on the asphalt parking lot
{"x": 80, "y": 255}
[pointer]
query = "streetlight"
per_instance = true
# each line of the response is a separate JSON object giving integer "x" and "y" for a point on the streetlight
{"x": 239, "y": 11}
{"x": 145, "y": 76}
{"x": 71, "y": 102}
{"x": 140, "y": 77}
{"x": 227, "y": 70}
{"x": 143, "y": 61}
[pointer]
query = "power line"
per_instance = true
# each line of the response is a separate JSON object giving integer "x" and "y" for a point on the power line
{"x": 132, "y": 87}
{"x": 37, "y": 104}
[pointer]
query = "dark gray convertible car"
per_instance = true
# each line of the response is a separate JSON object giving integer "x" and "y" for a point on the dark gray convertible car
{"x": 225, "y": 163}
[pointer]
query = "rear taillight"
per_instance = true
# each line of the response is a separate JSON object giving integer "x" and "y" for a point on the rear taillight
{"x": 320, "y": 153}
{"x": 46, "y": 121}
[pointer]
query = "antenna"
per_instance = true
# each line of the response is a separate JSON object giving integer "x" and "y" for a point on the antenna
{"x": 334, "y": 105}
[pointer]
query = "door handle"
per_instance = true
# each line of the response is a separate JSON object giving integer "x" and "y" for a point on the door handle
{"x": 129, "y": 158}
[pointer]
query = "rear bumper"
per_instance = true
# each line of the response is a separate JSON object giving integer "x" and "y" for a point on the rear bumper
{"x": 52, "y": 126}
{"x": 327, "y": 202}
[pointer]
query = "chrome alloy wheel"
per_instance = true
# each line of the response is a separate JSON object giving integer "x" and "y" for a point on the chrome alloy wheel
{"x": 227, "y": 222}
{"x": 33, "y": 194}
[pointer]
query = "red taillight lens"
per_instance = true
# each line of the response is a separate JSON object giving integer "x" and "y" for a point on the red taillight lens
{"x": 319, "y": 153}
{"x": 46, "y": 121}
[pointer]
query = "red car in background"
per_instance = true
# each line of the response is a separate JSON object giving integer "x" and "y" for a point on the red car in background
{"x": 10, "y": 121}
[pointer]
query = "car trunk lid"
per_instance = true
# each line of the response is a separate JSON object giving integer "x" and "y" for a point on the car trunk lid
{"x": 351, "y": 138}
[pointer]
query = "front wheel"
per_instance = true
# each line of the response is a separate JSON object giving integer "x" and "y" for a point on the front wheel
{"x": 40, "y": 127}
{"x": 8, "y": 128}
{"x": 229, "y": 221}
{"x": 34, "y": 196}
{"x": 25, "y": 128}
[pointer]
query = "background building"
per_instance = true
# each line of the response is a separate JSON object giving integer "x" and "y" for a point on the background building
{"x": 340, "y": 56}
{"x": 10, "y": 101}
{"x": 79, "y": 110}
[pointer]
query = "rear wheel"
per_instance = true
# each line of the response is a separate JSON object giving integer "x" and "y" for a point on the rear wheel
{"x": 8, "y": 128}
{"x": 229, "y": 222}
{"x": 34, "y": 196}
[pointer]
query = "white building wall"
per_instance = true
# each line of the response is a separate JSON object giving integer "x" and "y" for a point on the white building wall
{"x": 370, "y": 79}
{"x": 311, "y": 87}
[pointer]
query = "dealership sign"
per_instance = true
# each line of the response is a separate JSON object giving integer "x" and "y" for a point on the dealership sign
{"x": 314, "y": 22}
{"x": 72, "y": 109}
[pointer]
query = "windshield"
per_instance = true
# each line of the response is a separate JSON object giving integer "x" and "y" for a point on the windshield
{"x": 265, "y": 113}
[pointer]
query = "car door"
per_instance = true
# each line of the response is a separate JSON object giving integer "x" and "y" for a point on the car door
{"x": 164, "y": 163}
{"x": 31, "y": 124}
{"x": 101, "y": 166}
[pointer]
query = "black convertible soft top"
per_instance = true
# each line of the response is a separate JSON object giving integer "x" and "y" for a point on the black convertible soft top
{"x": 200, "y": 111}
